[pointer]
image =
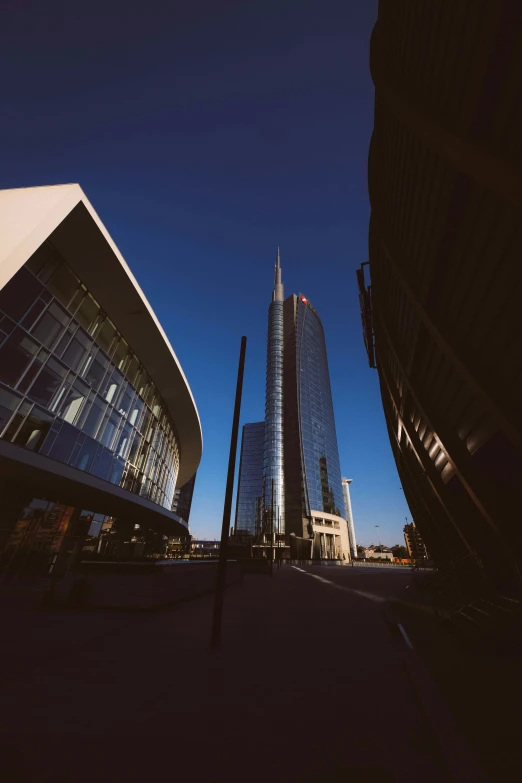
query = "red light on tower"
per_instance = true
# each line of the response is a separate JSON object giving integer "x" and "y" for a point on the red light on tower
{"x": 304, "y": 300}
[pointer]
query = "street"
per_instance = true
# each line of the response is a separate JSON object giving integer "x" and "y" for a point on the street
{"x": 314, "y": 681}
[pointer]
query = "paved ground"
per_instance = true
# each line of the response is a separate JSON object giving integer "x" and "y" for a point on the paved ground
{"x": 314, "y": 681}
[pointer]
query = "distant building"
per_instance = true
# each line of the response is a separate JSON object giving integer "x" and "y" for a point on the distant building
{"x": 349, "y": 516}
{"x": 414, "y": 543}
{"x": 314, "y": 501}
{"x": 303, "y": 502}
{"x": 249, "y": 504}
{"x": 201, "y": 547}
{"x": 378, "y": 553}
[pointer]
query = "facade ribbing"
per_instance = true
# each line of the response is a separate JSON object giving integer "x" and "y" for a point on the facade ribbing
{"x": 442, "y": 310}
{"x": 274, "y": 492}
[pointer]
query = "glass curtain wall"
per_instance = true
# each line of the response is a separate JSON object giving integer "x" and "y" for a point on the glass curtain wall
{"x": 72, "y": 389}
{"x": 249, "y": 505}
{"x": 320, "y": 453}
{"x": 273, "y": 459}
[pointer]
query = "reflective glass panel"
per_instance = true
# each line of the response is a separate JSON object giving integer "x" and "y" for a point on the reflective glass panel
{"x": 34, "y": 429}
{"x": 15, "y": 356}
{"x": 17, "y": 296}
{"x": 51, "y": 382}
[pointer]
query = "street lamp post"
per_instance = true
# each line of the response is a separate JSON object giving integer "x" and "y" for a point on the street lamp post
{"x": 225, "y": 527}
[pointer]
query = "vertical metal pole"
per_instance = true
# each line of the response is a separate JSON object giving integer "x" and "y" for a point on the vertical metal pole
{"x": 222, "y": 564}
{"x": 278, "y": 538}
{"x": 272, "y": 552}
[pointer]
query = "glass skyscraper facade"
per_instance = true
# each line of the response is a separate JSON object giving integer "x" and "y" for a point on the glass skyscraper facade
{"x": 274, "y": 503}
{"x": 249, "y": 506}
{"x": 312, "y": 469}
{"x": 302, "y": 475}
{"x": 321, "y": 469}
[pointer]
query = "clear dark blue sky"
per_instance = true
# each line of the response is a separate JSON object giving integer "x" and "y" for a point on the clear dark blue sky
{"x": 206, "y": 133}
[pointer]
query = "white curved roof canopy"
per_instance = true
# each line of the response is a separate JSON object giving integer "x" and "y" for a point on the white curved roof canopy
{"x": 28, "y": 216}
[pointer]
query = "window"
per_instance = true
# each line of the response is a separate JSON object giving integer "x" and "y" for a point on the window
{"x": 48, "y": 382}
{"x": 106, "y": 335}
{"x": 15, "y": 355}
{"x": 132, "y": 368}
{"x": 76, "y": 351}
{"x": 146, "y": 424}
{"x": 103, "y": 465}
{"x": 64, "y": 339}
{"x": 118, "y": 466}
{"x": 124, "y": 441}
{"x": 77, "y": 299}
{"x": 94, "y": 417}
{"x": 39, "y": 258}
{"x": 95, "y": 369}
{"x": 47, "y": 266}
{"x": 88, "y": 313}
{"x": 86, "y": 456}
{"x": 17, "y": 419}
{"x": 149, "y": 392}
{"x": 50, "y": 325}
{"x": 17, "y": 296}
{"x": 120, "y": 354}
{"x": 73, "y": 402}
{"x": 8, "y": 404}
{"x": 33, "y": 371}
{"x": 136, "y": 443}
{"x": 6, "y": 327}
{"x": 124, "y": 404}
{"x": 109, "y": 428}
{"x": 63, "y": 284}
{"x": 136, "y": 409}
{"x": 34, "y": 429}
{"x": 35, "y": 311}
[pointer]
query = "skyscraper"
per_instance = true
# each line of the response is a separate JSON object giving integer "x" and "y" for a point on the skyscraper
{"x": 274, "y": 494}
{"x": 302, "y": 478}
{"x": 314, "y": 505}
{"x": 349, "y": 516}
{"x": 249, "y": 506}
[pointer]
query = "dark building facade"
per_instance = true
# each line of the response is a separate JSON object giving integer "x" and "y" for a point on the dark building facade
{"x": 249, "y": 504}
{"x": 91, "y": 443}
{"x": 414, "y": 543}
{"x": 441, "y": 303}
{"x": 182, "y": 502}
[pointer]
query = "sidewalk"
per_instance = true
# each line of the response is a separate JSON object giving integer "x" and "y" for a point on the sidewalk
{"x": 309, "y": 685}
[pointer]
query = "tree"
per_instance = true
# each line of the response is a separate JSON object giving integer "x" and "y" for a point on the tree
{"x": 400, "y": 552}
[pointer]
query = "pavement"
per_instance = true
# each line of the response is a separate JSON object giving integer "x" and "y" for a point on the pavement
{"x": 319, "y": 677}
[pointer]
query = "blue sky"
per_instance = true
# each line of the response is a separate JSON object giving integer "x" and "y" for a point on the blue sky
{"x": 205, "y": 135}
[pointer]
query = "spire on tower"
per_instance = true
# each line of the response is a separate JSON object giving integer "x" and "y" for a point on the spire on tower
{"x": 278, "y": 294}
